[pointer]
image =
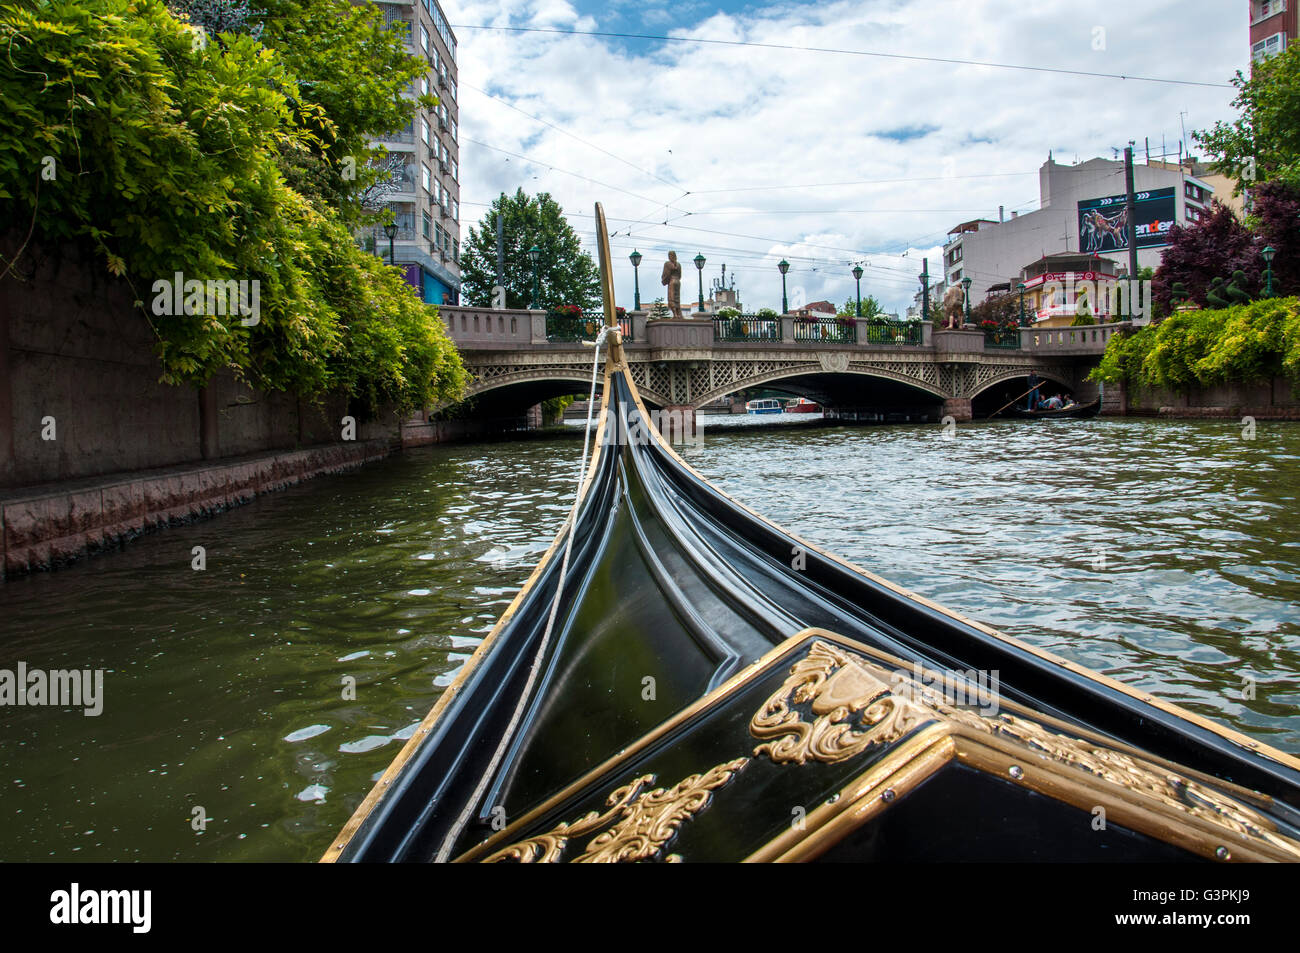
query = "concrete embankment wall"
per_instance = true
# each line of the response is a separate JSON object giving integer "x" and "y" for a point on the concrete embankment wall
{"x": 54, "y": 524}
{"x": 1273, "y": 400}
{"x": 94, "y": 449}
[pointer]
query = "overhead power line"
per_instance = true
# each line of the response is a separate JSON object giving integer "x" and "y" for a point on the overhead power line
{"x": 571, "y": 135}
{"x": 952, "y": 61}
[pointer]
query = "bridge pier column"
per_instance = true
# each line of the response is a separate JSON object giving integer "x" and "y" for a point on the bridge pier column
{"x": 958, "y": 408}
{"x": 677, "y": 423}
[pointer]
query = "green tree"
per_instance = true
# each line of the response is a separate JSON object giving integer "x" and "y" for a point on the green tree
{"x": 1263, "y": 143}
{"x": 871, "y": 308}
{"x": 565, "y": 273}
{"x": 159, "y": 153}
{"x": 1002, "y": 309}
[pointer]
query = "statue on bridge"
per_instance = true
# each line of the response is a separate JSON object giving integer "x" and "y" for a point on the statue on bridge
{"x": 672, "y": 278}
{"x": 954, "y": 307}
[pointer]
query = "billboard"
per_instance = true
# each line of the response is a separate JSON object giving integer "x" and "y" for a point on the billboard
{"x": 1103, "y": 223}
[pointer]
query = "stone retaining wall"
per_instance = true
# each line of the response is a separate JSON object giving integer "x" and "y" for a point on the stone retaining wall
{"x": 44, "y": 527}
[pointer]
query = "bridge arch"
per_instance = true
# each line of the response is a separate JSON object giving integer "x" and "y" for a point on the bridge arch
{"x": 820, "y": 375}
{"x": 1054, "y": 374}
{"x": 522, "y": 387}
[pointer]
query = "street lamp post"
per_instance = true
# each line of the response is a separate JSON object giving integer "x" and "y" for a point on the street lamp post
{"x": 391, "y": 231}
{"x": 534, "y": 253}
{"x": 1269, "y": 252}
{"x": 965, "y": 284}
{"x": 1021, "y": 288}
{"x": 635, "y": 258}
{"x": 699, "y": 266}
{"x": 857, "y": 277}
{"x": 785, "y": 304}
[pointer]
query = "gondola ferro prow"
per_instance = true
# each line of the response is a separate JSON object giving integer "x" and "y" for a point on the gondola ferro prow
{"x": 614, "y": 336}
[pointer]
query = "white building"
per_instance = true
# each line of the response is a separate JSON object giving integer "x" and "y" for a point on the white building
{"x": 1082, "y": 210}
{"x": 426, "y": 208}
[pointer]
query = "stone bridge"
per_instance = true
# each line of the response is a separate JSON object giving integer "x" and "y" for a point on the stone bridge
{"x": 517, "y": 358}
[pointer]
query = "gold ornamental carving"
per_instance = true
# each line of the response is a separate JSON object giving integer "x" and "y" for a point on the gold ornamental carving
{"x": 854, "y": 708}
{"x": 641, "y": 822}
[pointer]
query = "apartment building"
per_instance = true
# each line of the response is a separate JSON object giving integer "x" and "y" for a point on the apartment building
{"x": 426, "y": 207}
{"x": 1272, "y": 27}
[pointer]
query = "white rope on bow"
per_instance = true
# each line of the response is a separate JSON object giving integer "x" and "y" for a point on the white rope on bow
{"x": 570, "y": 525}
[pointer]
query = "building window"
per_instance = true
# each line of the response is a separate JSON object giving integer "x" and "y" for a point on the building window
{"x": 424, "y": 86}
{"x": 437, "y": 191}
{"x": 452, "y": 123}
{"x": 1263, "y": 9}
{"x": 455, "y": 210}
{"x": 427, "y": 177}
{"x": 424, "y": 130}
{"x": 455, "y": 251}
{"x": 424, "y": 38}
{"x": 1269, "y": 46}
{"x": 454, "y": 172}
{"x": 427, "y": 225}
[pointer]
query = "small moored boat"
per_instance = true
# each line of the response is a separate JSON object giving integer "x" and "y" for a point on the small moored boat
{"x": 678, "y": 674}
{"x": 802, "y": 406}
{"x": 767, "y": 406}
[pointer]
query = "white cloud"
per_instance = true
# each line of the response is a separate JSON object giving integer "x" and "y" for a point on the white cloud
{"x": 710, "y": 117}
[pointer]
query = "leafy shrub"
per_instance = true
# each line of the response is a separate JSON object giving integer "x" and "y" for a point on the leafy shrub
{"x": 1242, "y": 344}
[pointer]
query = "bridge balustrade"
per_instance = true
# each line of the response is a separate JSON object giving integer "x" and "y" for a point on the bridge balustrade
{"x": 825, "y": 331}
{"x": 1078, "y": 339}
{"x": 746, "y": 328}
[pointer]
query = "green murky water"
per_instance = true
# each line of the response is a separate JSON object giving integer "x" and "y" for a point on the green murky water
{"x": 1165, "y": 554}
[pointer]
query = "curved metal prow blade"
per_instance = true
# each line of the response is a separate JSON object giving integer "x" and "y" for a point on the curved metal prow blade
{"x": 615, "y": 340}
{"x": 606, "y": 270}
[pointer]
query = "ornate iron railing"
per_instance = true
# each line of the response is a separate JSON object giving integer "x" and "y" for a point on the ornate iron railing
{"x": 825, "y": 330}
{"x": 893, "y": 332}
{"x": 1004, "y": 338}
{"x": 746, "y": 327}
{"x": 581, "y": 327}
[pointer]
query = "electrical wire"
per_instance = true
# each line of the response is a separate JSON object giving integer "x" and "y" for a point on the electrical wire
{"x": 789, "y": 47}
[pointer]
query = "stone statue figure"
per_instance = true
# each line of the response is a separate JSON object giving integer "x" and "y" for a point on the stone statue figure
{"x": 672, "y": 278}
{"x": 954, "y": 307}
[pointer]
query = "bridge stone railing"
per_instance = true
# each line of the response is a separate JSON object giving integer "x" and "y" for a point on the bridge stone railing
{"x": 519, "y": 329}
{"x": 1080, "y": 339}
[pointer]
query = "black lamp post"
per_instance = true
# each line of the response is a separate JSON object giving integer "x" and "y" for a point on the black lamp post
{"x": 635, "y": 258}
{"x": 534, "y": 253}
{"x": 391, "y": 231}
{"x": 1021, "y": 288}
{"x": 785, "y": 304}
{"x": 699, "y": 266}
{"x": 857, "y": 277}
{"x": 1268, "y": 253}
{"x": 965, "y": 283}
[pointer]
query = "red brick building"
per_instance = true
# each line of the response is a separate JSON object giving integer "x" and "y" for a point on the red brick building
{"x": 1272, "y": 27}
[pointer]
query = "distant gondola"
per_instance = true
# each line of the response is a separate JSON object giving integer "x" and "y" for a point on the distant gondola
{"x": 680, "y": 678}
{"x": 1090, "y": 409}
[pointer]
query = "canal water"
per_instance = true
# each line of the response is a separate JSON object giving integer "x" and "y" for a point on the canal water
{"x": 1165, "y": 554}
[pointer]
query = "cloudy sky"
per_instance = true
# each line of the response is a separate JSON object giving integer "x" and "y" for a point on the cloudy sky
{"x": 748, "y": 154}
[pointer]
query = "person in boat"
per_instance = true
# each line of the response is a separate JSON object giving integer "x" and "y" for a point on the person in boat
{"x": 1052, "y": 403}
{"x": 1033, "y": 392}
